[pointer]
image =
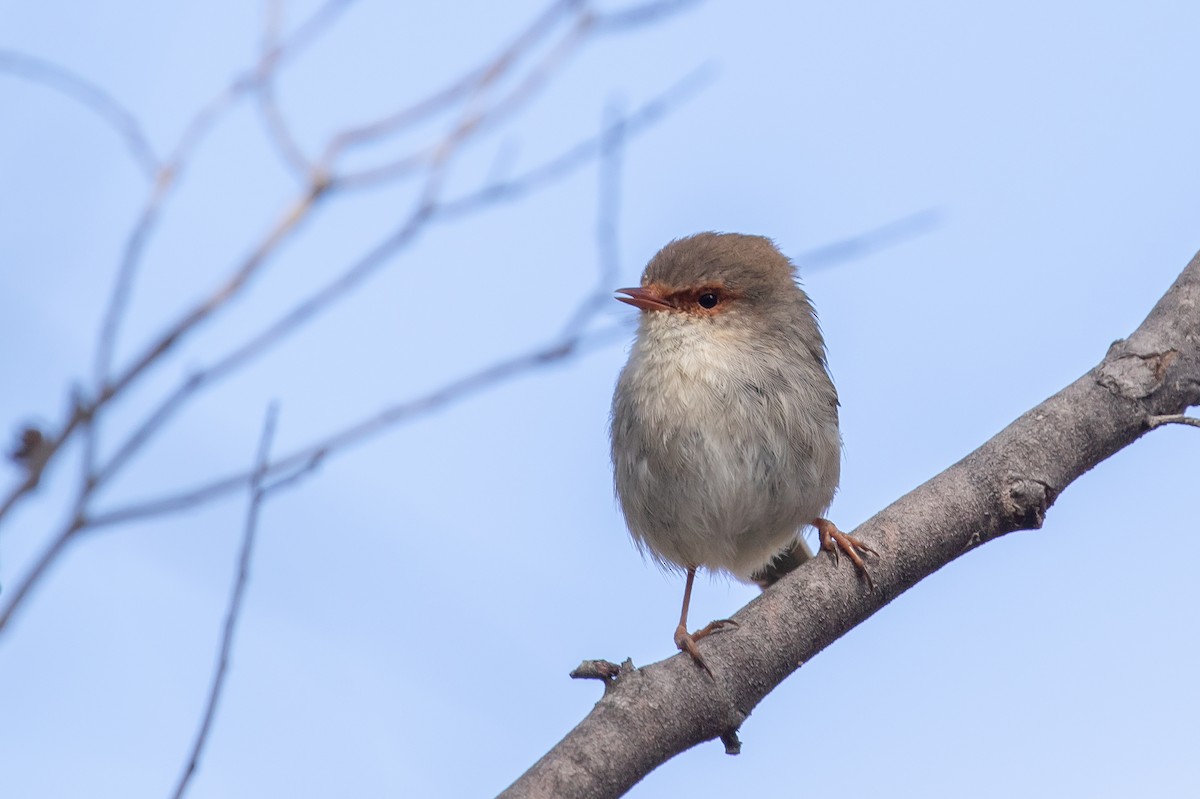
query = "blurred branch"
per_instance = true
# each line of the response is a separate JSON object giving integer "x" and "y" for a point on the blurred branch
{"x": 478, "y": 116}
{"x": 642, "y": 14}
{"x": 474, "y": 81}
{"x": 167, "y": 175}
{"x": 268, "y": 106}
{"x": 1007, "y": 484}
{"x": 614, "y": 134}
{"x": 580, "y": 154}
{"x": 96, "y": 99}
{"x": 258, "y": 493}
{"x": 573, "y": 340}
{"x": 517, "y": 187}
{"x": 314, "y": 454}
{"x": 90, "y": 406}
{"x": 871, "y": 241}
{"x": 608, "y": 205}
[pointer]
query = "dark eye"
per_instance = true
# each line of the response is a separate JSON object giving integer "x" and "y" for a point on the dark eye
{"x": 708, "y": 299}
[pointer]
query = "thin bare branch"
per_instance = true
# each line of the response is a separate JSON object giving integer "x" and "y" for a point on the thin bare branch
{"x": 287, "y": 49}
{"x": 285, "y": 226}
{"x": 361, "y": 431}
{"x": 151, "y": 424}
{"x": 289, "y": 150}
{"x": 167, "y": 174}
{"x": 35, "y": 467}
{"x": 308, "y": 31}
{"x": 578, "y": 155}
{"x": 131, "y": 255}
{"x": 302, "y": 313}
{"x": 469, "y": 125}
{"x": 96, "y": 99}
{"x": 446, "y": 97}
{"x": 477, "y": 117}
{"x": 608, "y": 212}
{"x": 107, "y": 390}
{"x": 427, "y": 210}
{"x": 642, "y": 14}
{"x": 234, "y": 608}
{"x": 473, "y": 87}
{"x": 871, "y": 241}
{"x": 17, "y": 596}
{"x": 89, "y": 406}
{"x": 1178, "y": 418}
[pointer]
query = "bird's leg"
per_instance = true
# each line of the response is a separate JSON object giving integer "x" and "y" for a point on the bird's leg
{"x": 687, "y": 641}
{"x": 833, "y": 539}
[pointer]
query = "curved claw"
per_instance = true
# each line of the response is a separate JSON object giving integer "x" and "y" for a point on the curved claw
{"x": 687, "y": 643}
{"x": 834, "y": 540}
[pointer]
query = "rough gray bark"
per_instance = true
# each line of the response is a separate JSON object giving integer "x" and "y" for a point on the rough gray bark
{"x": 651, "y": 714}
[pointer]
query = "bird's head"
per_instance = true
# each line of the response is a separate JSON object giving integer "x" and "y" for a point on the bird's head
{"x": 723, "y": 280}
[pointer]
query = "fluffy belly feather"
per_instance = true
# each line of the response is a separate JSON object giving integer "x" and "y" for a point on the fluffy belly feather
{"x": 719, "y": 466}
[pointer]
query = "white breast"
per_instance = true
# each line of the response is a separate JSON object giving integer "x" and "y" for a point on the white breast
{"x": 721, "y": 452}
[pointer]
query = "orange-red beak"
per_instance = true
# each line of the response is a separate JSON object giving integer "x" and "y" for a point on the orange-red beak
{"x": 646, "y": 299}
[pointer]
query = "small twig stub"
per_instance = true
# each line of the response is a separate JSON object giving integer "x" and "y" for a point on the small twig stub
{"x": 604, "y": 670}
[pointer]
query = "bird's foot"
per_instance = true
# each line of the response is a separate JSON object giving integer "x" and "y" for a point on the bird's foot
{"x": 687, "y": 641}
{"x": 834, "y": 540}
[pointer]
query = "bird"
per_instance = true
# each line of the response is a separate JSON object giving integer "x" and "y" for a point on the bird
{"x": 724, "y": 424}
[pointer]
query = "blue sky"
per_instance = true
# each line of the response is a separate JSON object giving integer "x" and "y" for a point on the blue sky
{"x": 415, "y": 606}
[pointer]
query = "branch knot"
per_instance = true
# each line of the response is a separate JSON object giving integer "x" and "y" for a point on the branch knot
{"x": 1027, "y": 501}
{"x": 1135, "y": 375}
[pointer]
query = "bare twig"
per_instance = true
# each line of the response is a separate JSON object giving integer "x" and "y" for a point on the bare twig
{"x": 1178, "y": 418}
{"x": 190, "y": 321}
{"x": 16, "y": 597}
{"x": 480, "y": 116}
{"x": 98, "y": 100}
{"x": 608, "y": 211}
{"x": 246, "y": 82}
{"x": 89, "y": 406}
{"x": 636, "y": 16}
{"x": 871, "y": 241}
{"x": 605, "y": 671}
{"x": 310, "y": 307}
{"x": 234, "y": 608}
{"x": 308, "y": 31}
{"x": 426, "y": 211}
{"x": 35, "y": 467}
{"x": 446, "y": 97}
{"x": 578, "y": 155}
{"x": 260, "y": 343}
{"x": 289, "y": 150}
{"x": 598, "y": 670}
{"x": 106, "y": 343}
{"x": 167, "y": 175}
{"x": 295, "y": 318}
{"x": 401, "y": 412}
{"x": 477, "y": 117}
{"x": 84, "y": 415}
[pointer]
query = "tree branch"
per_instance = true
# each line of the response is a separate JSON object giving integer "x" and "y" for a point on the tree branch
{"x": 429, "y": 208}
{"x": 1007, "y": 484}
{"x": 258, "y": 493}
{"x": 110, "y": 110}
